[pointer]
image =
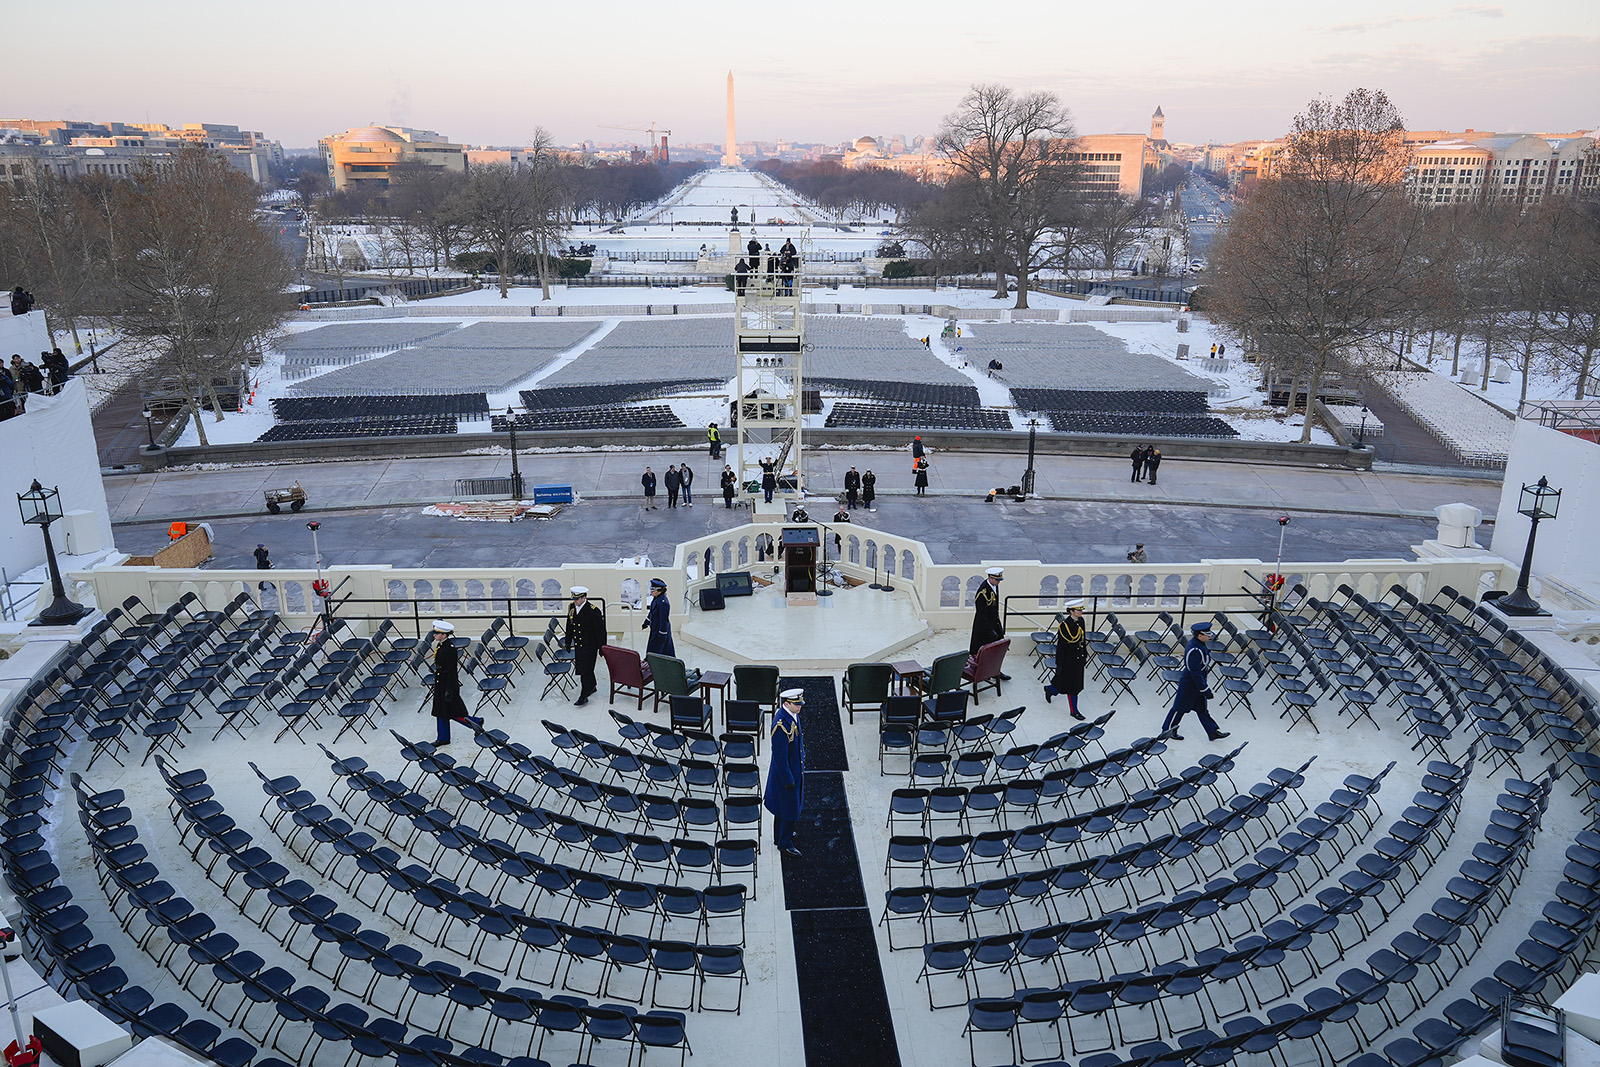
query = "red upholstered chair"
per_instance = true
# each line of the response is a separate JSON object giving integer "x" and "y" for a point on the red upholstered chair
{"x": 629, "y": 673}
{"x": 983, "y": 669}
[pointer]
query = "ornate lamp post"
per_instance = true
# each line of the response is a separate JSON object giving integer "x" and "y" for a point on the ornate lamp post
{"x": 1027, "y": 475}
{"x": 40, "y": 507}
{"x": 1538, "y": 501}
{"x": 516, "y": 475}
{"x": 149, "y": 432}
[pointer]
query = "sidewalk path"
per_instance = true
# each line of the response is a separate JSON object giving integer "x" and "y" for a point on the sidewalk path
{"x": 371, "y": 510}
{"x": 236, "y": 491}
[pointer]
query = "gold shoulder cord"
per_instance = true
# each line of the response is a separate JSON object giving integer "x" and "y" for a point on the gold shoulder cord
{"x": 788, "y": 730}
{"x": 1067, "y": 631}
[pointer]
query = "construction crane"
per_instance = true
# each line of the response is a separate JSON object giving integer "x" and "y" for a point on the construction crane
{"x": 658, "y": 149}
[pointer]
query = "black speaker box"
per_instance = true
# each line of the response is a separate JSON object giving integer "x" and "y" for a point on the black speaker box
{"x": 711, "y": 599}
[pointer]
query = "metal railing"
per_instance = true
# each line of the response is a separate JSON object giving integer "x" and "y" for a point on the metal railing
{"x": 1179, "y": 605}
{"x": 8, "y": 601}
{"x": 423, "y": 612}
{"x": 498, "y": 485}
{"x": 411, "y": 287}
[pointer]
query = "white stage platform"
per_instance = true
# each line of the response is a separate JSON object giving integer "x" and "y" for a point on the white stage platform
{"x": 857, "y": 625}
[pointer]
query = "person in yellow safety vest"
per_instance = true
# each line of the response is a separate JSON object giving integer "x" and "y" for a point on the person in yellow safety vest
{"x": 714, "y": 436}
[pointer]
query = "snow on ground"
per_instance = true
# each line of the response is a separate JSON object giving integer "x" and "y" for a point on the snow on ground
{"x": 1235, "y": 397}
{"x": 1544, "y": 383}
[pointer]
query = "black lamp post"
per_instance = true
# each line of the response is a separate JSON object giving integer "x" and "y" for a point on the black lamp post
{"x": 40, "y": 507}
{"x": 1539, "y": 501}
{"x": 148, "y": 431}
{"x": 516, "y": 475}
{"x": 1027, "y": 475}
{"x": 1361, "y": 431}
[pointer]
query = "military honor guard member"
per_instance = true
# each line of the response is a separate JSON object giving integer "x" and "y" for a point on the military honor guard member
{"x": 785, "y": 794}
{"x": 1072, "y": 655}
{"x": 656, "y": 621}
{"x": 586, "y": 632}
{"x": 447, "y": 702}
{"x": 1194, "y": 689}
{"x": 986, "y": 624}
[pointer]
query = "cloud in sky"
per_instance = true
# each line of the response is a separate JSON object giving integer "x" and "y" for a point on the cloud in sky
{"x": 489, "y": 73}
{"x": 1471, "y": 10}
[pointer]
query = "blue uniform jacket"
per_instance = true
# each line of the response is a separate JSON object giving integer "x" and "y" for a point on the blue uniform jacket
{"x": 786, "y": 774}
{"x": 1193, "y": 686}
{"x": 660, "y": 629}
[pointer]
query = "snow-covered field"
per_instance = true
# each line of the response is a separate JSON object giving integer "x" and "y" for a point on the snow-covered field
{"x": 1234, "y": 393}
{"x": 672, "y": 227}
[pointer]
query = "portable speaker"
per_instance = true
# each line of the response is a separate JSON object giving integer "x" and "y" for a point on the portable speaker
{"x": 711, "y": 599}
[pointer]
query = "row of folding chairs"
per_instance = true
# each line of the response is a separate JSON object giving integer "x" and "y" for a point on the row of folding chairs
{"x": 1063, "y": 946}
{"x": 742, "y": 720}
{"x": 1170, "y": 800}
{"x": 60, "y": 930}
{"x": 680, "y": 817}
{"x": 499, "y": 860}
{"x": 616, "y": 951}
{"x": 1138, "y": 871}
{"x": 1029, "y": 778}
{"x": 573, "y": 889}
{"x": 522, "y": 931}
{"x": 991, "y": 803}
{"x": 913, "y": 727}
{"x": 1107, "y": 1001}
{"x": 631, "y": 774}
{"x": 435, "y": 988}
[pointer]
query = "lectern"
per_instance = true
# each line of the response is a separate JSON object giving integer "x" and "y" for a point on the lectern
{"x": 800, "y": 545}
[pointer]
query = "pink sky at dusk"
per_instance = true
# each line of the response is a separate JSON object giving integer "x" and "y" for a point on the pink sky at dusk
{"x": 488, "y": 73}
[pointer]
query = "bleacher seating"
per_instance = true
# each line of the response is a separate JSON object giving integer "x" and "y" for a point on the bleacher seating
{"x": 917, "y": 416}
{"x": 643, "y": 417}
{"x": 1118, "y": 401}
{"x": 926, "y": 393}
{"x": 372, "y": 426}
{"x": 580, "y": 397}
{"x": 1140, "y": 425}
{"x": 341, "y": 408}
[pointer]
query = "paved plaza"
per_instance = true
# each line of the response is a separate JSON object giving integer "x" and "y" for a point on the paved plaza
{"x": 1089, "y": 510}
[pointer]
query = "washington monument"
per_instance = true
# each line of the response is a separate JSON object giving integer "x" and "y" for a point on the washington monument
{"x": 730, "y": 150}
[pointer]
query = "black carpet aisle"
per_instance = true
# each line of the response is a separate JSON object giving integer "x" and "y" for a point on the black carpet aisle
{"x": 844, "y": 1008}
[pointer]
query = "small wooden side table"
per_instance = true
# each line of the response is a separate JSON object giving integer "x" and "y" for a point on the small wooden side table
{"x": 908, "y": 674}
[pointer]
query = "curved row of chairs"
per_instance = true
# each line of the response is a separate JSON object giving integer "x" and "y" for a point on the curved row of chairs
{"x": 305, "y": 1017}
{"x": 1152, "y": 862}
{"x": 1109, "y": 1000}
{"x": 683, "y": 855}
{"x": 965, "y": 806}
{"x": 251, "y": 877}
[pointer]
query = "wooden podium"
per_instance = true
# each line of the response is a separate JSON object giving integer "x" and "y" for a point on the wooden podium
{"x": 800, "y": 545}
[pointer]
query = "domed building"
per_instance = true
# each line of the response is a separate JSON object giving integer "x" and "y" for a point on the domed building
{"x": 365, "y": 155}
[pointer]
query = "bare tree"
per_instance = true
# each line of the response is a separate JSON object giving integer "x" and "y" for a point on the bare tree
{"x": 55, "y": 232}
{"x": 518, "y": 214}
{"x": 498, "y": 207}
{"x": 1015, "y": 151}
{"x": 946, "y": 228}
{"x": 197, "y": 273}
{"x": 1110, "y": 226}
{"x": 1574, "y": 261}
{"x": 551, "y": 201}
{"x": 1323, "y": 258}
{"x": 430, "y": 199}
